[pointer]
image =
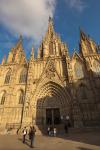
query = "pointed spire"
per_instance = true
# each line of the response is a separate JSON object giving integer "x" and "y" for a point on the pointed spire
{"x": 64, "y": 49}
{"x": 19, "y": 43}
{"x": 17, "y": 54}
{"x": 20, "y": 37}
{"x": 32, "y": 54}
{"x": 51, "y": 44}
{"x": 4, "y": 60}
{"x": 83, "y": 36}
{"x": 50, "y": 19}
{"x": 50, "y": 25}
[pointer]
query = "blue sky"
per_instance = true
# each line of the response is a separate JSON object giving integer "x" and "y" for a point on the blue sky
{"x": 68, "y": 16}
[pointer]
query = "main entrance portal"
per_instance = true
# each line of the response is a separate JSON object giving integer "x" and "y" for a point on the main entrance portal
{"x": 52, "y": 102}
{"x": 52, "y": 116}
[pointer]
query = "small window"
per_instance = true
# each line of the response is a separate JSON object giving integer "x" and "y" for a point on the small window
{"x": 3, "y": 98}
{"x": 7, "y": 78}
{"x": 23, "y": 76}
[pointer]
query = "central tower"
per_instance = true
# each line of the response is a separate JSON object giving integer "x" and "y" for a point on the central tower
{"x": 51, "y": 44}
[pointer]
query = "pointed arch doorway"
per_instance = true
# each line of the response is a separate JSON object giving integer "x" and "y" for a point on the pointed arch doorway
{"x": 52, "y": 102}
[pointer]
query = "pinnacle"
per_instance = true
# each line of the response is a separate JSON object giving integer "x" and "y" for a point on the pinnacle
{"x": 50, "y": 19}
{"x": 83, "y": 35}
{"x": 32, "y": 54}
{"x": 50, "y": 25}
{"x": 32, "y": 51}
{"x": 19, "y": 43}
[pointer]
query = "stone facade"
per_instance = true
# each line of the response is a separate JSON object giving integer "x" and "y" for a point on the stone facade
{"x": 52, "y": 86}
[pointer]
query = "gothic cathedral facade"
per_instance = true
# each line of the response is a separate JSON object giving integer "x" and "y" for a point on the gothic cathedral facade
{"x": 52, "y": 87}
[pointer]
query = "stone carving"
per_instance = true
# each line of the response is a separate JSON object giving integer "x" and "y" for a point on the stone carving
{"x": 50, "y": 71}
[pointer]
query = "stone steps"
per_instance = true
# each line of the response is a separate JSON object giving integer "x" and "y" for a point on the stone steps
{"x": 61, "y": 130}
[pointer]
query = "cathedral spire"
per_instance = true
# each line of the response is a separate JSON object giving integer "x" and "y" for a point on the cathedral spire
{"x": 51, "y": 44}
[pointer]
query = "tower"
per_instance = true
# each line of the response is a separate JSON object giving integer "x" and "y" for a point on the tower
{"x": 17, "y": 55}
{"x": 87, "y": 45}
{"x": 51, "y": 44}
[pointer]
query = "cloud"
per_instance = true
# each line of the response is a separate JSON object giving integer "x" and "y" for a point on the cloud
{"x": 27, "y": 17}
{"x": 78, "y": 5}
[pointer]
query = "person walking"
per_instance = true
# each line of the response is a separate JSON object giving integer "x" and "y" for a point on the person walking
{"x": 55, "y": 132}
{"x": 32, "y": 135}
{"x": 24, "y": 134}
{"x": 66, "y": 128}
{"x": 48, "y": 130}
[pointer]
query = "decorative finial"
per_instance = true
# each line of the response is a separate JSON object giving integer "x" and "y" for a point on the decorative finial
{"x": 50, "y": 19}
{"x": 32, "y": 54}
{"x": 32, "y": 51}
{"x": 20, "y": 37}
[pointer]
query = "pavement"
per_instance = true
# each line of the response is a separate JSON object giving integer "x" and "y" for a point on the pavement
{"x": 71, "y": 141}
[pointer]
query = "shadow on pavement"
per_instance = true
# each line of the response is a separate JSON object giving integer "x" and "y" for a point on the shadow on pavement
{"x": 27, "y": 142}
{"x": 82, "y": 148}
{"x": 92, "y": 138}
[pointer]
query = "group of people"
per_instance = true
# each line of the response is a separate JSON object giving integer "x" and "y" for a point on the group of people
{"x": 31, "y": 134}
{"x": 52, "y": 131}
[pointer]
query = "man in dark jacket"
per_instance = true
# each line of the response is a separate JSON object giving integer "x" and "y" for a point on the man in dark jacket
{"x": 32, "y": 135}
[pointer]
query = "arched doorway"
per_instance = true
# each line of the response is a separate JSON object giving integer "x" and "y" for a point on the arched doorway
{"x": 52, "y": 102}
